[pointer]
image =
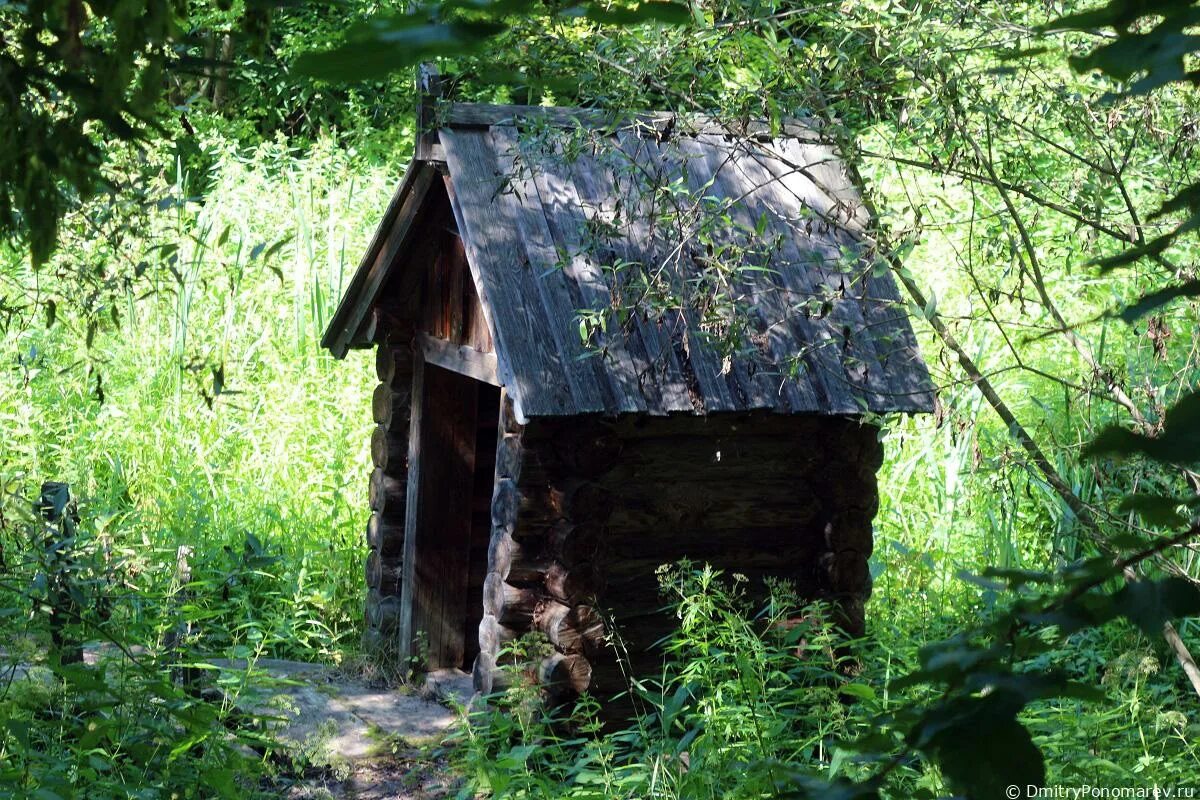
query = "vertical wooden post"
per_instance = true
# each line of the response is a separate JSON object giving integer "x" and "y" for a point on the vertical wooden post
{"x": 406, "y": 633}
{"x": 429, "y": 89}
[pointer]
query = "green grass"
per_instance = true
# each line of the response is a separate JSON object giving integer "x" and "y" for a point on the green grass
{"x": 201, "y": 411}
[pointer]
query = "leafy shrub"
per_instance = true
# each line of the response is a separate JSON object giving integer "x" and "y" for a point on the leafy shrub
{"x": 746, "y": 696}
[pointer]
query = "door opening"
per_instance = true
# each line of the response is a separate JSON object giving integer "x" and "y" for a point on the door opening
{"x": 458, "y": 424}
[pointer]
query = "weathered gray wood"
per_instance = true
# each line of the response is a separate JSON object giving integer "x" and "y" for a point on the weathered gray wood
{"x": 571, "y": 584}
{"x": 383, "y": 574}
{"x": 383, "y": 612}
{"x": 429, "y": 90}
{"x": 510, "y": 419}
{"x": 661, "y": 379}
{"x": 501, "y": 268}
{"x": 405, "y": 632}
{"x": 709, "y": 171}
{"x": 493, "y": 635}
{"x": 777, "y": 184}
{"x": 515, "y": 562}
{"x": 511, "y": 605}
{"x": 521, "y": 230}
{"x": 671, "y": 255}
{"x": 571, "y": 629}
{"x": 566, "y": 220}
{"x": 571, "y": 674}
{"x": 810, "y": 340}
{"x": 652, "y": 123}
{"x": 509, "y": 456}
{"x": 392, "y": 236}
{"x": 389, "y": 407}
{"x": 506, "y": 499}
{"x": 387, "y": 493}
{"x": 815, "y": 175}
{"x": 393, "y": 365}
{"x": 483, "y": 673}
{"x": 459, "y": 358}
{"x": 582, "y": 373}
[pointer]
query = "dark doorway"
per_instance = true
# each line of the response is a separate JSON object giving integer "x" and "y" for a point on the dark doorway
{"x": 458, "y": 451}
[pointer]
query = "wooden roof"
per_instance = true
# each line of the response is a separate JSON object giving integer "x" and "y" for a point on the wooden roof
{"x": 553, "y": 205}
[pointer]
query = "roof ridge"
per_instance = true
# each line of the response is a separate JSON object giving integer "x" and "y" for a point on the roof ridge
{"x": 665, "y": 123}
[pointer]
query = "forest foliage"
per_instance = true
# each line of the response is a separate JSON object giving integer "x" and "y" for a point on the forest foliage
{"x": 184, "y": 189}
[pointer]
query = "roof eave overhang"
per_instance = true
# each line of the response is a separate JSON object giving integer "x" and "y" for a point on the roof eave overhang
{"x": 390, "y": 238}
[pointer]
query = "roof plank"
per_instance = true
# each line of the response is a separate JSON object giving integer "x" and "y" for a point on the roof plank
{"x": 636, "y": 217}
{"x": 815, "y": 342}
{"x": 583, "y": 373}
{"x": 819, "y": 189}
{"x": 498, "y": 261}
{"x": 567, "y": 220}
{"x": 691, "y": 344}
{"x": 708, "y": 174}
{"x": 603, "y": 191}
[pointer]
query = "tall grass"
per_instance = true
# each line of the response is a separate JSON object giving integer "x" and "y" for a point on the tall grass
{"x": 221, "y": 421}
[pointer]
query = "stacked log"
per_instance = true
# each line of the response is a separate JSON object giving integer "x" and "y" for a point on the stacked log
{"x": 540, "y": 574}
{"x": 584, "y": 511}
{"x": 387, "y": 492}
{"x": 844, "y": 575}
{"x": 761, "y": 497}
{"x": 500, "y": 599}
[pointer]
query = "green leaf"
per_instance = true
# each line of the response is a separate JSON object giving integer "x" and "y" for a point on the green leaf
{"x": 1149, "y": 604}
{"x": 983, "y": 757}
{"x": 387, "y": 43}
{"x": 859, "y": 690}
{"x": 1155, "y": 509}
{"x": 1159, "y": 298}
{"x": 1179, "y": 442}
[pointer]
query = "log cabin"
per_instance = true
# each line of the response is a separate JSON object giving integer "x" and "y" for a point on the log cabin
{"x": 605, "y": 342}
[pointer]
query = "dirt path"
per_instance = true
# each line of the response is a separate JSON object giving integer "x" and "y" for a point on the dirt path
{"x": 341, "y": 736}
{"x": 348, "y": 739}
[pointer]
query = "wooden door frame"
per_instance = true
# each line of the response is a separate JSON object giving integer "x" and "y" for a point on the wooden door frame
{"x": 435, "y": 584}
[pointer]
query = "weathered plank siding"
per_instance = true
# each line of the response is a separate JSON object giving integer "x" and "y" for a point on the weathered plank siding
{"x": 828, "y": 334}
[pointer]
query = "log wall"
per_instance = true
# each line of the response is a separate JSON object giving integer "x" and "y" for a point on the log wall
{"x": 387, "y": 493}
{"x": 585, "y": 510}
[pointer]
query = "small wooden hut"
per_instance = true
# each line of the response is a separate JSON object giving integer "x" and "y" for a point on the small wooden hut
{"x": 533, "y": 467}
